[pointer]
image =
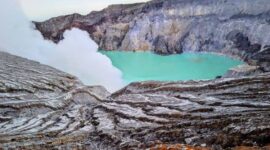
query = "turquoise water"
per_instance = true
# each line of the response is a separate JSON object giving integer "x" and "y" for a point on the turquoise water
{"x": 142, "y": 66}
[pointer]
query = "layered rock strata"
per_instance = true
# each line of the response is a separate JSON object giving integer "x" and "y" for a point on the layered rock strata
{"x": 43, "y": 108}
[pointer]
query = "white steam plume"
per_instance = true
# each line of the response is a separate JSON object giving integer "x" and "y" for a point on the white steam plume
{"x": 76, "y": 54}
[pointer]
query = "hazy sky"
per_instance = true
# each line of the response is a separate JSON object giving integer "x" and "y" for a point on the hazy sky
{"x": 43, "y": 9}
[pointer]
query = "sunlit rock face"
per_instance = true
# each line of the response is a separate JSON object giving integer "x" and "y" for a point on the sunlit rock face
{"x": 43, "y": 108}
{"x": 237, "y": 28}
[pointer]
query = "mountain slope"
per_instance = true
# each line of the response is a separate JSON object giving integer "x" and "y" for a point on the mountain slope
{"x": 43, "y": 108}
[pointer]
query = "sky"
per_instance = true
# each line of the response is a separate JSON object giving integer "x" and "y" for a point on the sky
{"x": 40, "y": 10}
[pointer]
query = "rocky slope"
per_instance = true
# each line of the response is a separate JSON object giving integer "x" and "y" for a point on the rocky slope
{"x": 238, "y": 28}
{"x": 43, "y": 108}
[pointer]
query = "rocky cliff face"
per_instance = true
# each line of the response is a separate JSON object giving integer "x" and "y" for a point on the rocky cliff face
{"x": 43, "y": 108}
{"x": 236, "y": 28}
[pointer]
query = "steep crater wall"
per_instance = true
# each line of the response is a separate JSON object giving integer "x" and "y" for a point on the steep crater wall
{"x": 235, "y": 28}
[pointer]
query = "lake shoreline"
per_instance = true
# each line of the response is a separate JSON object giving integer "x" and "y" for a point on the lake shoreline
{"x": 142, "y": 65}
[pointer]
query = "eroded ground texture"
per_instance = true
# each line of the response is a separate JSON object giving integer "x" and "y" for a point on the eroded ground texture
{"x": 43, "y": 108}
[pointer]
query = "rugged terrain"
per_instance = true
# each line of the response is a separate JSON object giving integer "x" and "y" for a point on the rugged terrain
{"x": 238, "y": 28}
{"x": 43, "y": 108}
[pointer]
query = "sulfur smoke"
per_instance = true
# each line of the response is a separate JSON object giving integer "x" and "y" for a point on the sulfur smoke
{"x": 76, "y": 54}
